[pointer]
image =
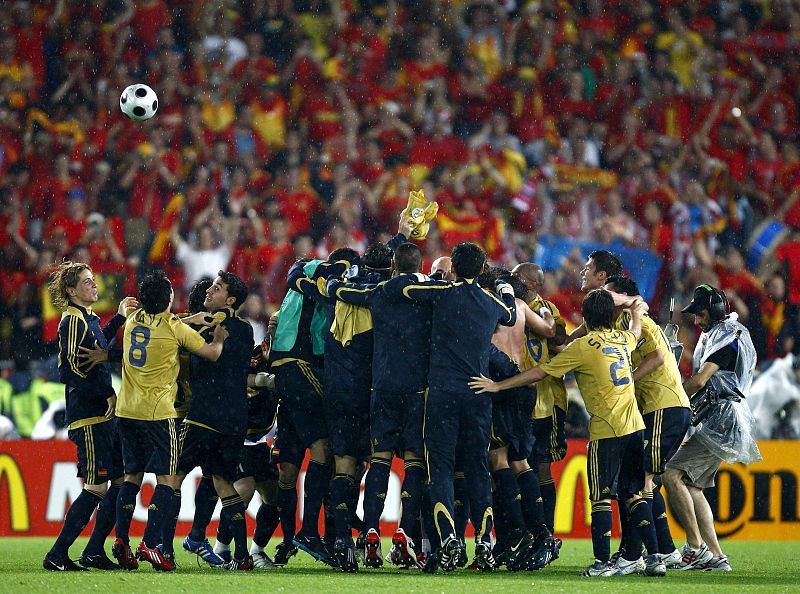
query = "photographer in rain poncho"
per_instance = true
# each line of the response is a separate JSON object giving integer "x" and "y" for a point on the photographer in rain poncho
{"x": 724, "y": 362}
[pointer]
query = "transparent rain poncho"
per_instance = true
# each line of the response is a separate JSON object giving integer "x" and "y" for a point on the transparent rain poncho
{"x": 729, "y": 429}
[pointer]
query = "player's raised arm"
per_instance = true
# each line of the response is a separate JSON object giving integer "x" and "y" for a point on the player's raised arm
{"x": 213, "y": 350}
{"x": 506, "y": 303}
{"x": 638, "y": 309}
{"x": 483, "y": 384}
{"x": 542, "y": 323}
{"x": 355, "y": 293}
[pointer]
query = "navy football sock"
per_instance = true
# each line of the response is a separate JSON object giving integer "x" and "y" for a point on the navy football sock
{"x": 170, "y": 522}
{"x": 78, "y": 515}
{"x": 340, "y": 494}
{"x": 547, "y": 488}
{"x": 352, "y": 502}
{"x": 315, "y": 487}
{"x": 205, "y": 500}
{"x": 411, "y": 495}
{"x": 157, "y": 512}
{"x": 641, "y": 520}
{"x": 629, "y": 541}
{"x": 267, "y": 520}
{"x": 286, "y": 499}
{"x": 528, "y": 484}
{"x": 665, "y": 543}
{"x": 601, "y": 530}
{"x": 460, "y": 504}
{"x": 508, "y": 496}
{"x": 103, "y": 522}
{"x": 501, "y": 523}
{"x": 375, "y": 487}
{"x": 126, "y": 504}
{"x": 224, "y": 534}
{"x": 232, "y": 515}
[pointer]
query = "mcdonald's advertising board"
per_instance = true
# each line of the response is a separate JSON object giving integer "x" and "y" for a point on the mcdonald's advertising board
{"x": 758, "y": 502}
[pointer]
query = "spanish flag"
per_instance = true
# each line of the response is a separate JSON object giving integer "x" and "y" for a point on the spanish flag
{"x": 457, "y": 226}
{"x": 158, "y": 249}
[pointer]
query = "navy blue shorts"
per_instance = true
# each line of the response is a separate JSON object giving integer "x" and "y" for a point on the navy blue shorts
{"x": 217, "y": 453}
{"x": 396, "y": 422}
{"x": 256, "y": 461}
{"x": 550, "y": 439}
{"x": 301, "y": 416}
{"x": 99, "y": 452}
{"x": 347, "y": 416}
{"x": 511, "y": 425}
{"x": 149, "y": 446}
{"x": 615, "y": 467}
{"x": 664, "y": 431}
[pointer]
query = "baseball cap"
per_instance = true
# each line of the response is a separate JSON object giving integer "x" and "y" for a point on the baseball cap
{"x": 701, "y": 300}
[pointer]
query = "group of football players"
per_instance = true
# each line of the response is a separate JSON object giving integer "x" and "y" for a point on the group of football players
{"x": 458, "y": 372}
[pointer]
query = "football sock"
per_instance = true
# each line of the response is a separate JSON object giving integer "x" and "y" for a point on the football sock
{"x": 315, "y": 488}
{"x": 232, "y": 515}
{"x": 532, "y": 510}
{"x": 601, "y": 530}
{"x": 665, "y": 543}
{"x": 224, "y": 534}
{"x": 126, "y": 504}
{"x": 103, "y": 522}
{"x": 508, "y": 497}
{"x": 170, "y": 521}
{"x": 340, "y": 494}
{"x": 460, "y": 504}
{"x": 286, "y": 499}
{"x": 375, "y": 487}
{"x": 630, "y": 540}
{"x": 205, "y": 500}
{"x": 157, "y": 512}
{"x": 411, "y": 494}
{"x": 641, "y": 519}
{"x": 329, "y": 518}
{"x": 428, "y": 522}
{"x": 352, "y": 501}
{"x": 78, "y": 515}
{"x": 547, "y": 488}
{"x": 501, "y": 522}
{"x": 267, "y": 519}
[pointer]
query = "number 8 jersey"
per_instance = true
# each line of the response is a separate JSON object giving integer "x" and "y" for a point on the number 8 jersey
{"x": 150, "y": 364}
{"x": 602, "y": 365}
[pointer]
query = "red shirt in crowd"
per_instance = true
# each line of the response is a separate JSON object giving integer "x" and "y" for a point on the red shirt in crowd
{"x": 789, "y": 254}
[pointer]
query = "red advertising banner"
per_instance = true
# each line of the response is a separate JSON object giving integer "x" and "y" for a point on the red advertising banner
{"x": 757, "y": 502}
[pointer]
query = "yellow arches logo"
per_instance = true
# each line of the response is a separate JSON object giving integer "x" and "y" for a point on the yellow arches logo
{"x": 17, "y": 497}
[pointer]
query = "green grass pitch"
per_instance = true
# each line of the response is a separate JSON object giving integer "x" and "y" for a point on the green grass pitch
{"x": 758, "y": 567}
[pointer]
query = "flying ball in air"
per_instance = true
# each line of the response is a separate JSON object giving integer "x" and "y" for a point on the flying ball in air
{"x": 139, "y": 102}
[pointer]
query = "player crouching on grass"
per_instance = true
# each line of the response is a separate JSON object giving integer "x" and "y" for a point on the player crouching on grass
{"x": 601, "y": 362}
{"x": 90, "y": 410}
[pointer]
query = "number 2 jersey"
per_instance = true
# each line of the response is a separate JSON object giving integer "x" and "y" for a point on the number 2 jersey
{"x": 663, "y": 387}
{"x": 602, "y": 365}
{"x": 150, "y": 364}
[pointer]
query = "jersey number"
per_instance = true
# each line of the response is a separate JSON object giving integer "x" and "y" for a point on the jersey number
{"x": 618, "y": 365}
{"x": 140, "y": 338}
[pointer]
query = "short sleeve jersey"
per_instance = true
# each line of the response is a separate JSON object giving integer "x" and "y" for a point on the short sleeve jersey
{"x": 602, "y": 366}
{"x": 662, "y": 388}
{"x": 150, "y": 364}
{"x": 551, "y": 390}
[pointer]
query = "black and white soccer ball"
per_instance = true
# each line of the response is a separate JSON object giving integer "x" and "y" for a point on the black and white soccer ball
{"x": 139, "y": 102}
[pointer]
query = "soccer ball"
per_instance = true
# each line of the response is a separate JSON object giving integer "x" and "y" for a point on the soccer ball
{"x": 139, "y": 102}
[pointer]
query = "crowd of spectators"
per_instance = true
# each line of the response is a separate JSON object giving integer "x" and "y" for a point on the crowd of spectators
{"x": 288, "y": 128}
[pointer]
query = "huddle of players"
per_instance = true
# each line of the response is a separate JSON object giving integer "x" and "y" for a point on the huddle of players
{"x": 404, "y": 359}
{"x": 371, "y": 359}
